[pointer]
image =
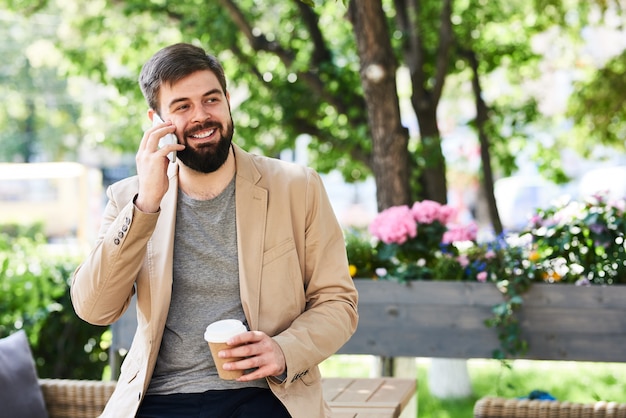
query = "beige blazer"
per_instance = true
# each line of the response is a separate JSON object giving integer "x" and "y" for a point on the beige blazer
{"x": 294, "y": 279}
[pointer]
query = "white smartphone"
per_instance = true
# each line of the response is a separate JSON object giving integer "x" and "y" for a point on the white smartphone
{"x": 167, "y": 139}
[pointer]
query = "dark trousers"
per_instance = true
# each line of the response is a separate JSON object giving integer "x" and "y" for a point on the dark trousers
{"x": 237, "y": 403}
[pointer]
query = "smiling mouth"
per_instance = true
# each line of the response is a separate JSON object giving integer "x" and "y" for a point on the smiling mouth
{"x": 204, "y": 134}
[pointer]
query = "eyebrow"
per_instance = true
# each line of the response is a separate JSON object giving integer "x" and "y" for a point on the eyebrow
{"x": 184, "y": 99}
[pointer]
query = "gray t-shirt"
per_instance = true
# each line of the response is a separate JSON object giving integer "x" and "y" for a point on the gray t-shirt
{"x": 205, "y": 289}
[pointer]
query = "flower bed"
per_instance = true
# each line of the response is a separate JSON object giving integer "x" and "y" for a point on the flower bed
{"x": 579, "y": 242}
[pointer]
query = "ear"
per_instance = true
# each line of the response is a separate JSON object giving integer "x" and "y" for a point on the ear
{"x": 151, "y": 113}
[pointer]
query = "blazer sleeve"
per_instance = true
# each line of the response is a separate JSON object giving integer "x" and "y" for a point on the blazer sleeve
{"x": 103, "y": 284}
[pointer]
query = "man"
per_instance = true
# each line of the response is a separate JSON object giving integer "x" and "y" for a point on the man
{"x": 218, "y": 234}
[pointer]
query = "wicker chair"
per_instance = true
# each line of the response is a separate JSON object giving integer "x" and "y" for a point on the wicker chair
{"x": 491, "y": 407}
{"x": 67, "y": 398}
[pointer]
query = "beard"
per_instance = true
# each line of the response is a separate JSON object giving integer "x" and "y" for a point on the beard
{"x": 207, "y": 158}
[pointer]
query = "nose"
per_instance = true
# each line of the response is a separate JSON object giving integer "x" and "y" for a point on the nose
{"x": 200, "y": 115}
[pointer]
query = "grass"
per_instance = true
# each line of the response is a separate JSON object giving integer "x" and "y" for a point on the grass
{"x": 566, "y": 381}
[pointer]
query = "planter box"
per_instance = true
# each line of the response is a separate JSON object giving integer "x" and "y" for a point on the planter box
{"x": 446, "y": 319}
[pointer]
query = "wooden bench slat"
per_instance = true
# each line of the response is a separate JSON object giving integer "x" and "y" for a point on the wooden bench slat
{"x": 334, "y": 387}
{"x": 383, "y": 397}
{"x": 375, "y": 415}
{"x": 359, "y": 390}
{"x": 395, "y": 391}
{"x": 344, "y": 414}
{"x": 367, "y": 414}
{"x": 372, "y": 405}
{"x": 359, "y": 412}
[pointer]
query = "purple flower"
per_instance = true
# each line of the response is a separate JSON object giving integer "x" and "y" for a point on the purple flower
{"x": 597, "y": 228}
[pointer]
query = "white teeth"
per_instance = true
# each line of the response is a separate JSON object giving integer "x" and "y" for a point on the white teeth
{"x": 204, "y": 135}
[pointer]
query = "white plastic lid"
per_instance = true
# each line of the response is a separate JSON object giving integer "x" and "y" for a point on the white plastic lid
{"x": 221, "y": 331}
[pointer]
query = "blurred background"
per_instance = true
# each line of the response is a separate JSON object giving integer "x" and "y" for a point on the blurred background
{"x": 495, "y": 107}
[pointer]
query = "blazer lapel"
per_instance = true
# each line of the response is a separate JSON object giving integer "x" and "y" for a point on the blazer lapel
{"x": 251, "y": 204}
{"x": 161, "y": 251}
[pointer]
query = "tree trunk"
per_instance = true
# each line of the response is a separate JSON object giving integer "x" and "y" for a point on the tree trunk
{"x": 428, "y": 73}
{"x": 378, "y": 78}
{"x": 482, "y": 117}
{"x": 433, "y": 180}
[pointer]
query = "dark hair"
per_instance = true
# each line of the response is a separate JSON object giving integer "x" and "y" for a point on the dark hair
{"x": 172, "y": 64}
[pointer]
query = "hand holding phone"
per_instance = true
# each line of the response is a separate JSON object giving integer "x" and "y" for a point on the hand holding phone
{"x": 167, "y": 139}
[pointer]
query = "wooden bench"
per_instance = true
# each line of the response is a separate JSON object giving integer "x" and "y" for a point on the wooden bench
{"x": 348, "y": 398}
{"x": 384, "y": 397}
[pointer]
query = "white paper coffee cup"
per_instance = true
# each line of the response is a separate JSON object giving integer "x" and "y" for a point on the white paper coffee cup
{"x": 216, "y": 335}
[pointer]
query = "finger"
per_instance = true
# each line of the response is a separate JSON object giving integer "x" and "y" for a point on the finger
{"x": 245, "y": 350}
{"x": 144, "y": 140}
{"x": 156, "y": 135}
{"x": 244, "y": 364}
{"x": 172, "y": 148}
{"x": 257, "y": 369}
{"x": 254, "y": 375}
{"x": 246, "y": 338}
{"x": 153, "y": 134}
{"x": 266, "y": 370}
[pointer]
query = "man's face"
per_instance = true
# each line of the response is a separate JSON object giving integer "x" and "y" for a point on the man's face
{"x": 201, "y": 112}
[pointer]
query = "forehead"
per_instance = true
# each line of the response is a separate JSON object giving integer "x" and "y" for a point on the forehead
{"x": 193, "y": 86}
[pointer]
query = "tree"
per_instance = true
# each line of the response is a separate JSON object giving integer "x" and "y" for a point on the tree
{"x": 310, "y": 71}
{"x": 38, "y": 115}
{"x": 310, "y": 78}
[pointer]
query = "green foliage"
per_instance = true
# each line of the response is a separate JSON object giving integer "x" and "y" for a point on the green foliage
{"x": 580, "y": 241}
{"x": 34, "y": 296}
{"x": 283, "y": 85}
{"x": 598, "y": 107}
{"x": 362, "y": 255}
{"x": 37, "y": 115}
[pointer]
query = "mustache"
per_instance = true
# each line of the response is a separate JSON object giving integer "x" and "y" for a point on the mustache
{"x": 206, "y": 125}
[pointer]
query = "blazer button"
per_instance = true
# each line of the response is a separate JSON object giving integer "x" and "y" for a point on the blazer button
{"x": 124, "y": 228}
{"x": 120, "y": 234}
{"x": 116, "y": 241}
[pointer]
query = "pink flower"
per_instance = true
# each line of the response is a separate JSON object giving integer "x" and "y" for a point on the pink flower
{"x": 446, "y": 214}
{"x": 482, "y": 276}
{"x": 426, "y": 211}
{"x": 429, "y": 211}
{"x": 463, "y": 260}
{"x": 457, "y": 233}
{"x": 394, "y": 225}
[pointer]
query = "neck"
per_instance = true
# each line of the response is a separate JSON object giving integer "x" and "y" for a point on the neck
{"x": 205, "y": 186}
